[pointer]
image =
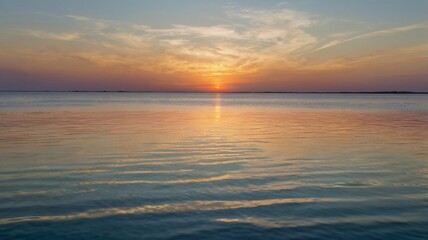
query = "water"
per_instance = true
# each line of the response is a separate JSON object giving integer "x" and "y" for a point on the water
{"x": 213, "y": 166}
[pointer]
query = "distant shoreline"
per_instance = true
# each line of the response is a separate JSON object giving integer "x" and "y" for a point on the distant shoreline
{"x": 267, "y": 92}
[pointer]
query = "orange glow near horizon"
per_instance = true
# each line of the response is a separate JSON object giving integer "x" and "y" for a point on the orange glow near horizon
{"x": 247, "y": 47}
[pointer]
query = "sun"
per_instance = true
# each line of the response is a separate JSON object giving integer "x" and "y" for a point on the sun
{"x": 217, "y": 87}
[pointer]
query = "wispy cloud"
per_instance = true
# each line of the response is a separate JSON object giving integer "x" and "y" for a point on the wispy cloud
{"x": 407, "y": 55}
{"x": 54, "y": 36}
{"x": 374, "y": 34}
{"x": 183, "y": 30}
{"x": 252, "y": 40}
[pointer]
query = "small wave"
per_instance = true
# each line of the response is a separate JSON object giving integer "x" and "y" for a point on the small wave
{"x": 191, "y": 180}
{"x": 294, "y": 222}
{"x": 61, "y": 172}
{"x": 164, "y": 208}
{"x": 155, "y": 171}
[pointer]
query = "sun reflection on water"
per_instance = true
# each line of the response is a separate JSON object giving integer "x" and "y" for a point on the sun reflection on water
{"x": 217, "y": 108}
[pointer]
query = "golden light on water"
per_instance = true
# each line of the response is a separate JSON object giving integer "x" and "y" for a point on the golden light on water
{"x": 217, "y": 108}
{"x": 217, "y": 112}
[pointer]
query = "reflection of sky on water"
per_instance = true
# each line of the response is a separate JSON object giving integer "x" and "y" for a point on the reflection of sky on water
{"x": 217, "y": 166}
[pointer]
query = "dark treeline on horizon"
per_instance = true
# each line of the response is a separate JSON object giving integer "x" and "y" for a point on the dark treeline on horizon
{"x": 310, "y": 92}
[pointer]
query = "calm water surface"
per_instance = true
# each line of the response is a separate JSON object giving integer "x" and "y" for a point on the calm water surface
{"x": 213, "y": 166}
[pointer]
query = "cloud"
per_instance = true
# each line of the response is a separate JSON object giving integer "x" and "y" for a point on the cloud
{"x": 257, "y": 39}
{"x": 282, "y": 16}
{"x": 375, "y": 34}
{"x": 183, "y": 30}
{"x": 79, "y": 18}
{"x": 244, "y": 48}
{"x": 55, "y": 36}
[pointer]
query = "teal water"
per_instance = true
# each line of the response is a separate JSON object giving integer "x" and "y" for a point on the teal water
{"x": 213, "y": 166}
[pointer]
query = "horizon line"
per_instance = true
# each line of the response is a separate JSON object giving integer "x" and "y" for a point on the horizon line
{"x": 293, "y": 92}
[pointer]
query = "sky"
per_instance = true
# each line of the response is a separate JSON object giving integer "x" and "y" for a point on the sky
{"x": 214, "y": 45}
